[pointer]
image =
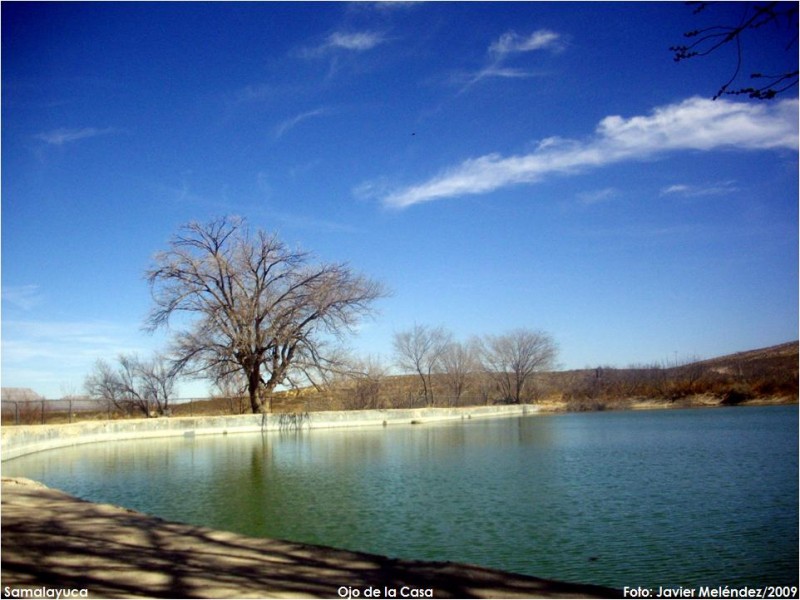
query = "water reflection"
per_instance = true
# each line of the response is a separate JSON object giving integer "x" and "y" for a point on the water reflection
{"x": 669, "y": 497}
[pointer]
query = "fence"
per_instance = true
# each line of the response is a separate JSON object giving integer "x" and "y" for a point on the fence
{"x": 70, "y": 410}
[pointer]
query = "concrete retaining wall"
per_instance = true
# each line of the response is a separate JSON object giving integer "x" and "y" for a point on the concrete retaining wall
{"x": 27, "y": 439}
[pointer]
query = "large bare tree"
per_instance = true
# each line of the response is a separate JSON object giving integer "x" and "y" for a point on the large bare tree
{"x": 512, "y": 359}
{"x": 420, "y": 350}
{"x": 259, "y": 307}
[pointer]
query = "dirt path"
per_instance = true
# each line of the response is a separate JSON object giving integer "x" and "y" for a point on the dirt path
{"x": 54, "y": 540}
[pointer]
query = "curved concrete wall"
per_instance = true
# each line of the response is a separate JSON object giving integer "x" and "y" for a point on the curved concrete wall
{"x": 26, "y": 439}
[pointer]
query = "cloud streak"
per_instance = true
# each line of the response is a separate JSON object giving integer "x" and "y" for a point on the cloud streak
{"x": 59, "y": 137}
{"x": 24, "y": 297}
{"x": 694, "y": 124}
{"x": 692, "y": 191}
{"x": 292, "y": 122}
{"x": 351, "y": 41}
{"x": 510, "y": 44}
{"x": 597, "y": 196}
{"x": 359, "y": 41}
{"x": 67, "y": 348}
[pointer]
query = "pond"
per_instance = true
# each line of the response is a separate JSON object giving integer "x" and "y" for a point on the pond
{"x": 674, "y": 497}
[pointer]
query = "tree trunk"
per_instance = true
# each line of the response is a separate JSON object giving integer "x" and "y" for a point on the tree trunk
{"x": 256, "y": 404}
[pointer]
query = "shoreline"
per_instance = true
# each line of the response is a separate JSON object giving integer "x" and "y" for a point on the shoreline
{"x": 549, "y": 406}
{"x": 19, "y": 440}
{"x": 55, "y": 541}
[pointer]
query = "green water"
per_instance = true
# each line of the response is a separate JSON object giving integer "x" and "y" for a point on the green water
{"x": 684, "y": 497}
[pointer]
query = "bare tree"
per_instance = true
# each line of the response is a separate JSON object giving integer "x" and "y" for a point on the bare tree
{"x": 420, "y": 350}
{"x": 260, "y": 307}
{"x": 458, "y": 364}
{"x": 365, "y": 379}
{"x": 232, "y": 388}
{"x": 157, "y": 383}
{"x": 483, "y": 385}
{"x": 135, "y": 385}
{"x": 103, "y": 385}
{"x": 511, "y": 360}
{"x": 775, "y": 21}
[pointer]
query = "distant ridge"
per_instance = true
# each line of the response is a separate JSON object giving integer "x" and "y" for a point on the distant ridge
{"x": 787, "y": 349}
{"x": 11, "y": 394}
{"x": 770, "y": 360}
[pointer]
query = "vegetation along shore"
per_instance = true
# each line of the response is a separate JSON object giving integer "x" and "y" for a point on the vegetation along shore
{"x": 756, "y": 377}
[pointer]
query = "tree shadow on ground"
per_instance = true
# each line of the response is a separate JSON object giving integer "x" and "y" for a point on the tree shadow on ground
{"x": 52, "y": 539}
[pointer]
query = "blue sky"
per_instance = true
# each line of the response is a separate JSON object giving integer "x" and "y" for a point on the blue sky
{"x": 497, "y": 165}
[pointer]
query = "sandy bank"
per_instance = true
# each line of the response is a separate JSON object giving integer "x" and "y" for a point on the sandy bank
{"x": 52, "y": 539}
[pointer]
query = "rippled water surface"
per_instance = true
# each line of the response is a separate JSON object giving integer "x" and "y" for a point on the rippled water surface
{"x": 684, "y": 497}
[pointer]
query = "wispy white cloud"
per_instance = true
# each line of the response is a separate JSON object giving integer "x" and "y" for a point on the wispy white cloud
{"x": 185, "y": 190}
{"x": 597, "y": 196}
{"x": 649, "y": 233}
{"x": 64, "y": 340}
{"x": 511, "y": 42}
{"x": 678, "y": 188}
{"x": 304, "y": 222}
{"x": 387, "y": 5}
{"x": 693, "y": 124}
{"x": 504, "y": 72}
{"x": 45, "y": 355}
{"x": 359, "y": 41}
{"x": 709, "y": 189}
{"x": 508, "y": 45}
{"x": 333, "y": 48}
{"x": 292, "y": 122}
{"x": 373, "y": 189}
{"x": 351, "y": 41}
{"x": 24, "y": 297}
{"x": 59, "y": 137}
